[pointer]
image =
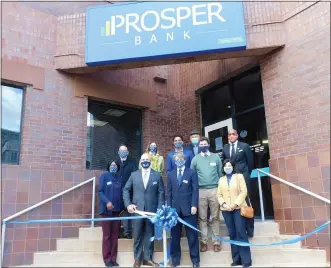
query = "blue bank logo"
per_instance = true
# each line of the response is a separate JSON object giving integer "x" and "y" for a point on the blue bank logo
{"x": 139, "y": 31}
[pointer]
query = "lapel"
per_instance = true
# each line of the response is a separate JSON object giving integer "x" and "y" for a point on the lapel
{"x": 238, "y": 148}
{"x": 150, "y": 179}
{"x": 125, "y": 163}
{"x": 232, "y": 180}
{"x": 141, "y": 178}
{"x": 183, "y": 177}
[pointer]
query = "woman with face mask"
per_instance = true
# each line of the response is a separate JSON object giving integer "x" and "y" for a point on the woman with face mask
{"x": 110, "y": 205}
{"x": 231, "y": 194}
{"x": 157, "y": 161}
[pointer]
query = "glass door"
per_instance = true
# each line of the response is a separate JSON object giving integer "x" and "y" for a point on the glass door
{"x": 218, "y": 135}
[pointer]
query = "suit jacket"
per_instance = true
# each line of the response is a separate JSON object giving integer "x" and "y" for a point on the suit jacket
{"x": 184, "y": 196}
{"x": 243, "y": 159}
{"x": 148, "y": 200}
{"x": 125, "y": 169}
{"x": 190, "y": 148}
{"x": 171, "y": 162}
{"x": 234, "y": 192}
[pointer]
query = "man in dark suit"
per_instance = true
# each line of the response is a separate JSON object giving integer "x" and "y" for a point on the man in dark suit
{"x": 147, "y": 190}
{"x": 126, "y": 167}
{"x": 194, "y": 145}
{"x": 183, "y": 195}
{"x": 178, "y": 147}
{"x": 241, "y": 155}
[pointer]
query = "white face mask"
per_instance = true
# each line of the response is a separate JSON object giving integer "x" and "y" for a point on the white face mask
{"x": 228, "y": 170}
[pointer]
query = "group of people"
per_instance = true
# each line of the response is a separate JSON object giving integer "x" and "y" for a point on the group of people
{"x": 199, "y": 185}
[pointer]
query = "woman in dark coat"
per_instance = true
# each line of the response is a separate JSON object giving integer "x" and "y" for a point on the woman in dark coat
{"x": 110, "y": 195}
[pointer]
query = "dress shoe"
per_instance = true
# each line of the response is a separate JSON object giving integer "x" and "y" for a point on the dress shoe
{"x": 137, "y": 263}
{"x": 203, "y": 247}
{"x": 235, "y": 264}
{"x": 151, "y": 263}
{"x": 217, "y": 248}
{"x": 196, "y": 265}
{"x": 115, "y": 264}
{"x": 127, "y": 236}
{"x": 109, "y": 264}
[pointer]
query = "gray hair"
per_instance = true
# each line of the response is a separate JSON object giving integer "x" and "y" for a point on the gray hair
{"x": 179, "y": 155}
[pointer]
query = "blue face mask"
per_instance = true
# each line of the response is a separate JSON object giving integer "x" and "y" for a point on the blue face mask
{"x": 178, "y": 144}
{"x": 180, "y": 163}
{"x": 153, "y": 148}
{"x": 113, "y": 169}
{"x": 195, "y": 141}
{"x": 204, "y": 149}
{"x": 123, "y": 154}
{"x": 145, "y": 164}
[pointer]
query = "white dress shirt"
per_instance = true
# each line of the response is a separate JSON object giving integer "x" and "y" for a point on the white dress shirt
{"x": 235, "y": 147}
{"x": 146, "y": 174}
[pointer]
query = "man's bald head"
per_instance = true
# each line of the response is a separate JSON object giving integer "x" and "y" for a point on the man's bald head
{"x": 232, "y": 135}
{"x": 145, "y": 157}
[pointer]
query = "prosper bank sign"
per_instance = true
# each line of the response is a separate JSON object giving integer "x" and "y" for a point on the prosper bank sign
{"x": 153, "y": 30}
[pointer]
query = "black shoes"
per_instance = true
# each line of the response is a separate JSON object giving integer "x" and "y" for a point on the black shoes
{"x": 125, "y": 236}
{"x": 235, "y": 264}
{"x": 112, "y": 264}
{"x": 115, "y": 264}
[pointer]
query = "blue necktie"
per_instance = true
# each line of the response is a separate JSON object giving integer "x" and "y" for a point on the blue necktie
{"x": 180, "y": 175}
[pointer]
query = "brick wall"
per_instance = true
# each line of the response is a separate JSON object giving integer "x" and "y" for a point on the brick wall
{"x": 296, "y": 84}
{"x": 54, "y": 122}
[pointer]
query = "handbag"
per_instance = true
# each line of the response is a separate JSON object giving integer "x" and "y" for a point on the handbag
{"x": 245, "y": 211}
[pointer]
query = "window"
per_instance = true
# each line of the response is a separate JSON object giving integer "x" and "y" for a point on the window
{"x": 108, "y": 127}
{"x": 247, "y": 91}
{"x": 216, "y": 105}
{"x": 11, "y": 122}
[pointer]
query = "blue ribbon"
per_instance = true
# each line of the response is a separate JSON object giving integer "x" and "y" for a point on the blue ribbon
{"x": 167, "y": 217}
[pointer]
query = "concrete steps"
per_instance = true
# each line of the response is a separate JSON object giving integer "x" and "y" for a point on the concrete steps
{"x": 209, "y": 258}
{"x": 126, "y": 245}
{"x": 85, "y": 251}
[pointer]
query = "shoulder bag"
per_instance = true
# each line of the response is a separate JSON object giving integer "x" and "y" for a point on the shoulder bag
{"x": 245, "y": 211}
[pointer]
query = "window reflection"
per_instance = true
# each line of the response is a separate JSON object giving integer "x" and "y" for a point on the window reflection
{"x": 11, "y": 120}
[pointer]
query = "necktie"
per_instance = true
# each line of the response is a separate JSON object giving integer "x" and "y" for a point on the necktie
{"x": 179, "y": 177}
{"x": 233, "y": 153}
{"x": 145, "y": 179}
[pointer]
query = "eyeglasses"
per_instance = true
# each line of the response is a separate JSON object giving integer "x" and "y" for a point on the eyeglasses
{"x": 232, "y": 134}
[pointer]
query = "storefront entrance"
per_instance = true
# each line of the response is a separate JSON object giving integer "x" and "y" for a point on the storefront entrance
{"x": 238, "y": 103}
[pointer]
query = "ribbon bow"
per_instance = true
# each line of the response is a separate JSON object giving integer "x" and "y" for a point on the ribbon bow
{"x": 165, "y": 217}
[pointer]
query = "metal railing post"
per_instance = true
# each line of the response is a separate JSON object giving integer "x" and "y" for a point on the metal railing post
{"x": 93, "y": 203}
{"x": 3, "y": 237}
{"x": 261, "y": 195}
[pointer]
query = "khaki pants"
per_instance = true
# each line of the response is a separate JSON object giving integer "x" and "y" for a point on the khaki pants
{"x": 207, "y": 198}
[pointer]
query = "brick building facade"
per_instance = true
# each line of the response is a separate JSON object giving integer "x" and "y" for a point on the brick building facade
{"x": 42, "y": 49}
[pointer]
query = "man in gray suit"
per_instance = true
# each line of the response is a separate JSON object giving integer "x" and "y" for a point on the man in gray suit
{"x": 148, "y": 195}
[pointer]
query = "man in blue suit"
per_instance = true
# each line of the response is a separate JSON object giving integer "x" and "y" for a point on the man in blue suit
{"x": 147, "y": 189}
{"x": 178, "y": 144}
{"x": 183, "y": 195}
